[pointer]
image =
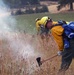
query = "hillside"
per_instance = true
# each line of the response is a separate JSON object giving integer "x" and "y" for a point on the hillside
{"x": 52, "y": 7}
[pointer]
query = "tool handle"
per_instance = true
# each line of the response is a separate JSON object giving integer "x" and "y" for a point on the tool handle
{"x": 49, "y": 58}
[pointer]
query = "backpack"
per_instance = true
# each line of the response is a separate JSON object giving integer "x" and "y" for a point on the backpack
{"x": 68, "y": 32}
{"x": 69, "y": 29}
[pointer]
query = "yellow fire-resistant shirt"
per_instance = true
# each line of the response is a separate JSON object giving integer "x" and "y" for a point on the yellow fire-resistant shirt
{"x": 57, "y": 32}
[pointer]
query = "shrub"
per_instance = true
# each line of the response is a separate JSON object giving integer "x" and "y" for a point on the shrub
{"x": 44, "y": 8}
{"x": 19, "y": 12}
{"x": 29, "y": 11}
{"x": 41, "y": 9}
{"x": 37, "y": 10}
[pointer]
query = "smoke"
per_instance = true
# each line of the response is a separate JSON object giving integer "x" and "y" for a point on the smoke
{"x": 16, "y": 44}
{"x": 7, "y": 32}
{"x": 7, "y": 22}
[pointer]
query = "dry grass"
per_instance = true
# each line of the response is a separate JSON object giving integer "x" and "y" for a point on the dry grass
{"x": 18, "y": 53}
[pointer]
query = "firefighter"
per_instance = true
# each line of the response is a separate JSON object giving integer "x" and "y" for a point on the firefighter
{"x": 43, "y": 26}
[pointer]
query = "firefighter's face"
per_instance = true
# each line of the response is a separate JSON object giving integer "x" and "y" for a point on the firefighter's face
{"x": 49, "y": 24}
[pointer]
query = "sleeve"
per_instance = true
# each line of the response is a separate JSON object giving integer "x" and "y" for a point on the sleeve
{"x": 37, "y": 26}
{"x": 57, "y": 34}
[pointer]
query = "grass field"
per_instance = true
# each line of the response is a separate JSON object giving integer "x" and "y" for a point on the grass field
{"x": 18, "y": 50}
{"x": 27, "y": 22}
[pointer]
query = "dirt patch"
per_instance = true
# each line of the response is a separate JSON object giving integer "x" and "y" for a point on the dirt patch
{"x": 53, "y": 9}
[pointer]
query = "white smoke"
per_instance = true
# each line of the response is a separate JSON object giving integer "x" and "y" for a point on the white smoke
{"x": 7, "y": 27}
{"x": 7, "y": 22}
{"x": 16, "y": 44}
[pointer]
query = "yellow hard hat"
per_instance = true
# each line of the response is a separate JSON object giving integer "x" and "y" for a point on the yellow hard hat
{"x": 37, "y": 19}
{"x": 44, "y": 20}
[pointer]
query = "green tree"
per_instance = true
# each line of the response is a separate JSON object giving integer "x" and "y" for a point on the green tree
{"x": 63, "y": 3}
{"x": 12, "y": 3}
{"x": 33, "y": 2}
{"x": 20, "y": 3}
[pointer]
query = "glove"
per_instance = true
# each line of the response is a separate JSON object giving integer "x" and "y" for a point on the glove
{"x": 59, "y": 53}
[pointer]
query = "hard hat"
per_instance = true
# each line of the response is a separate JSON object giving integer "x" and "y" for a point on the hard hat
{"x": 45, "y": 20}
{"x": 37, "y": 19}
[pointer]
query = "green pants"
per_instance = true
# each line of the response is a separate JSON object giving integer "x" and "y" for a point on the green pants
{"x": 67, "y": 56}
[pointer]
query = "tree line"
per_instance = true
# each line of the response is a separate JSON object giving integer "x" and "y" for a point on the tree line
{"x": 22, "y": 3}
{"x": 63, "y": 3}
